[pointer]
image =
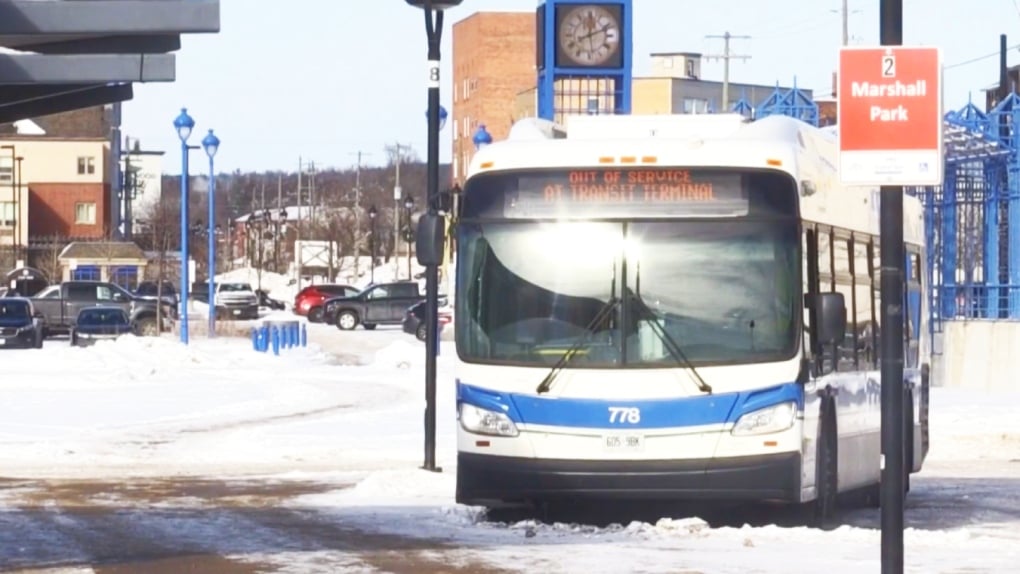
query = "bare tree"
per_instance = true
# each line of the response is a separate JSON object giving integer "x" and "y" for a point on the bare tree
{"x": 49, "y": 259}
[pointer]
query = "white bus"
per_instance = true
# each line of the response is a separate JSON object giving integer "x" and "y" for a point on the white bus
{"x": 635, "y": 297}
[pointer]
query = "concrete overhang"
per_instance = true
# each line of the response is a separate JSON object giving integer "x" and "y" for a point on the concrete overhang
{"x": 20, "y": 102}
{"x": 85, "y": 68}
{"x": 81, "y": 53}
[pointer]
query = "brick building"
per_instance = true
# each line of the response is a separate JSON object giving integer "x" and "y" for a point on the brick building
{"x": 54, "y": 184}
{"x": 494, "y": 78}
{"x": 493, "y": 61}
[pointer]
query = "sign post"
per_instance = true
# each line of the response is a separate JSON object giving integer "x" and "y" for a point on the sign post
{"x": 890, "y": 135}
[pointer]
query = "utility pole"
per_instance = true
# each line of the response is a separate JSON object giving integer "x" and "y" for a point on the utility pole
{"x": 299, "y": 259}
{"x": 397, "y": 196}
{"x": 846, "y": 23}
{"x": 726, "y": 56}
{"x": 357, "y": 214}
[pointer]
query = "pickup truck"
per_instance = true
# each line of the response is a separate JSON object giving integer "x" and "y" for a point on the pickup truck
{"x": 381, "y": 304}
{"x": 61, "y": 303}
{"x": 234, "y": 300}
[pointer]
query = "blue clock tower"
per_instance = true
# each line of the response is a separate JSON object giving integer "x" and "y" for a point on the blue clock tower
{"x": 585, "y": 57}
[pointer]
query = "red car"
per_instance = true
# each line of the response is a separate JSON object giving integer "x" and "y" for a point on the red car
{"x": 308, "y": 301}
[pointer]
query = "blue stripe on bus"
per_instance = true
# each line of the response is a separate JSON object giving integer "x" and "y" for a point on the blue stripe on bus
{"x": 654, "y": 413}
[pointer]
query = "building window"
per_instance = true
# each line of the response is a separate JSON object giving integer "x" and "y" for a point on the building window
{"x": 6, "y": 169}
{"x": 85, "y": 213}
{"x": 695, "y": 106}
{"x": 86, "y": 165}
{"x": 8, "y": 214}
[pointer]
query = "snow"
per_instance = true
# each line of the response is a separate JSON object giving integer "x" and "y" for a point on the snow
{"x": 151, "y": 407}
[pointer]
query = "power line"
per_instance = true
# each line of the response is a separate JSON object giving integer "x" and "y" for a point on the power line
{"x": 979, "y": 58}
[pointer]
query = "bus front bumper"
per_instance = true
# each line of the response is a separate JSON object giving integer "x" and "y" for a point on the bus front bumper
{"x": 493, "y": 481}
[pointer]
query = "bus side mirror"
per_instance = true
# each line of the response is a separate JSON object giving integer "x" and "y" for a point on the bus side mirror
{"x": 830, "y": 314}
{"x": 429, "y": 242}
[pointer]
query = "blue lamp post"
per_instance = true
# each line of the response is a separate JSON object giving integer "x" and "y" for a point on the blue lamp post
{"x": 482, "y": 137}
{"x": 184, "y": 124}
{"x": 211, "y": 143}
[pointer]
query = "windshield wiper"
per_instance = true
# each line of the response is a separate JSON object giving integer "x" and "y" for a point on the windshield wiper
{"x": 603, "y": 313}
{"x": 667, "y": 340}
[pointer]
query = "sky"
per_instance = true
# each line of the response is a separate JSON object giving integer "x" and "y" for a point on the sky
{"x": 324, "y": 79}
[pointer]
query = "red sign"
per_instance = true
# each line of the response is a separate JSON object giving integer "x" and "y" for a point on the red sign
{"x": 890, "y": 115}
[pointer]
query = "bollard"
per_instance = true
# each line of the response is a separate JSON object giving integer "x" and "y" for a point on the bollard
{"x": 295, "y": 333}
{"x": 255, "y": 338}
{"x": 304, "y": 335}
{"x": 276, "y": 341}
{"x": 265, "y": 338}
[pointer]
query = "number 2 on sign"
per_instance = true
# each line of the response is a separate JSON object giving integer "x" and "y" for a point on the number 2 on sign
{"x": 630, "y": 415}
{"x": 888, "y": 66}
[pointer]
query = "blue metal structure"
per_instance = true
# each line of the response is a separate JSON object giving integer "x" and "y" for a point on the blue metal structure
{"x": 972, "y": 221}
{"x": 792, "y": 102}
{"x": 575, "y": 89}
{"x": 743, "y": 106}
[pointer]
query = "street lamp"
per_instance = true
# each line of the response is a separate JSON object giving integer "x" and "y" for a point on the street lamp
{"x": 433, "y": 226}
{"x": 482, "y": 137}
{"x": 408, "y": 233}
{"x": 372, "y": 212}
{"x": 184, "y": 124}
{"x": 211, "y": 143}
{"x": 443, "y": 114}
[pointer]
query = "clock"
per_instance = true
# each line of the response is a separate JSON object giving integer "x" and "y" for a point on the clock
{"x": 589, "y": 36}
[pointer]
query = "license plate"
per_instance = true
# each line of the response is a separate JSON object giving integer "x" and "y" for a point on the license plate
{"x": 237, "y": 311}
{"x": 3, "y": 342}
{"x": 623, "y": 443}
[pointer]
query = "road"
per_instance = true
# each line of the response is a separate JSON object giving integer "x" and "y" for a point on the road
{"x": 219, "y": 526}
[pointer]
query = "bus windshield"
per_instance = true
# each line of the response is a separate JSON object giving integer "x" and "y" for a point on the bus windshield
{"x": 726, "y": 292}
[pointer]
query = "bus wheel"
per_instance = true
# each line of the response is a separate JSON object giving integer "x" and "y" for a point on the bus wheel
{"x": 827, "y": 467}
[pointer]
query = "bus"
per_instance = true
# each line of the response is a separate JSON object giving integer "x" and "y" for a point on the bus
{"x": 675, "y": 308}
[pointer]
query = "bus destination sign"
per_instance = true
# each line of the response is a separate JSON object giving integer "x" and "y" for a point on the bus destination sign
{"x": 628, "y": 192}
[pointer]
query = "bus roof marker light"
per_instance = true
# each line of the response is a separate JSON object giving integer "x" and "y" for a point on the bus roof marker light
{"x": 649, "y": 159}
{"x": 628, "y": 159}
{"x": 607, "y": 159}
{"x": 487, "y": 164}
{"x": 774, "y": 162}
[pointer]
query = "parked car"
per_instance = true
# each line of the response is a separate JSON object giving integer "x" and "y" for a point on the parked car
{"x": 100, "y": 323}
{"x": 150, "y": 290}
{"x": 310, "y": 300}
{"x": 414, "y": 319}
{"x": 21, "y": 325}
{"x": 266, "y": 301}
{"x": 234, "y": 299}
{"x": 382, "y": 304}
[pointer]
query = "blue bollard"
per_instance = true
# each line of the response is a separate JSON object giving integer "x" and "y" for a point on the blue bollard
{"x": 265, "y": 338}
{"x": 304, "y": 335}
{"x": 295, "y": 333}
{"x": 276, "y": 341}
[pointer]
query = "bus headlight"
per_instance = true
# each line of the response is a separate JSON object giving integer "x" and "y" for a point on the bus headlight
{"x": 767, "y": 420}
{"x": 483, "y": 421}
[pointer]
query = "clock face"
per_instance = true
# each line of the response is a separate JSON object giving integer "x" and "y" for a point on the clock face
{"x": 589, "y": 35}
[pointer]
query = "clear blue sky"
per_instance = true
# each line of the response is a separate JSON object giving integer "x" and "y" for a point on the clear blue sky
{"x": 323, "y": 79}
